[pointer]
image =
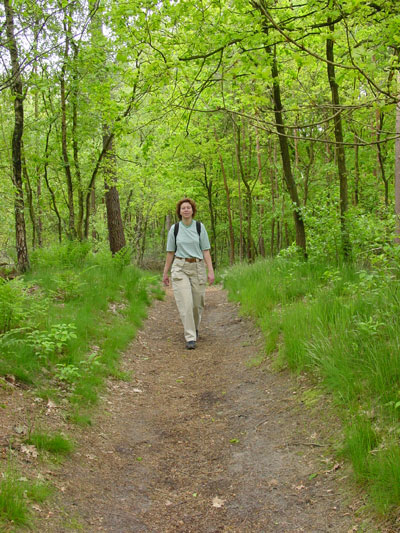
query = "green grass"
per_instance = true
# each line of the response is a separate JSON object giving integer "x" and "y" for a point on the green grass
{"x": 343, "y": 327}
{"x": 56, "y": 443}
{"x": 71, "y": 317}
{"x": 63, "y": 327}
{"x": 16, "y": 494}
{"x": 359, "y": 442}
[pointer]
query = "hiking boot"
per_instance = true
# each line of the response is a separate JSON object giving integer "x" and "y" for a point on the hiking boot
{"x": 190, "y": 345}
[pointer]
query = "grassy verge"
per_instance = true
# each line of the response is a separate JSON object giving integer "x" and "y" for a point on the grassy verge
{"x": 17, "y": 494}
{"x": 63, "y": 327}
{"x": 343, "y": 327}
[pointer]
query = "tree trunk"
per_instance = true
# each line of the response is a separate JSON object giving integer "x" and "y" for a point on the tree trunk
{"x": 249, "y": 199}
{"x": 209, "y": 187}
{"x": 228, "y": 206}
{"x": 397, "y": 166}
{"x": 75, "y": 145}
{"x": 17, "y": 91}
{"x": 241, "y": 244}
{"x": 283, "y": 142}
{"x": 116, "y": 233}
{"x": 381, "y": 160}
{"x": 64, "y": 144}
{"x": 53, "y": 196}
{"x": 287, "y": 169}
{"x": 142, "y": 248}
{"x": 261, "y": 243}
{"x": 29, "y": 196}
{"x": 340, "y": 152}
{"x": 356, "y": 171}
{"x": 307, "y": 171}
{"x": 39, "y": 225}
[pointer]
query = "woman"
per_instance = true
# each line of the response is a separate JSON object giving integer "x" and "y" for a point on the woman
{"x": 188, "y": 251}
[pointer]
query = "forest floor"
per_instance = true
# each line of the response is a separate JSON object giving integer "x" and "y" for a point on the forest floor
{"x": 200, "y": 441}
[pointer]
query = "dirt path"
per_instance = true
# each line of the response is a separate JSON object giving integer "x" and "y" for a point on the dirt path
{"x": 199, "y": 442}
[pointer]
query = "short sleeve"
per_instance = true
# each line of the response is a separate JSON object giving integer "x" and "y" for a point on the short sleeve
{"x": 204, "y": 240}
{"x": 171, "y": 245}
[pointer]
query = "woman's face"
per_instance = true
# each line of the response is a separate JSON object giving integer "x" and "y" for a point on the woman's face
{"x": 186, "y": 210}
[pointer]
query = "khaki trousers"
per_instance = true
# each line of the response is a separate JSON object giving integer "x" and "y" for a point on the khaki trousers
{"x": 189, "y": 286}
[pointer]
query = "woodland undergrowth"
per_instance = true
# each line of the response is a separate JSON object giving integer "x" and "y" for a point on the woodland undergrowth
{"x": 63, "y": 326}
{"x": 340, "y": 325}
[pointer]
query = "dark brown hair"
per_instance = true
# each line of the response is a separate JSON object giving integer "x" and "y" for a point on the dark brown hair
{"x": 189, "y": 201}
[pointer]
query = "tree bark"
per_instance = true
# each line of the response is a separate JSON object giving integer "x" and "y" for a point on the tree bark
{"x": 115, "y": 226}
{"x": 340, "y": 152}
{"x": 17, "y": 91}
{"x": 52, "y": 194}
{"x": 29, "y": 196}
{"x": 75, "y": 145}
{"x": 228, "y": 206}
{"x": 261, "y": 243}
{"x": 397, "y": 166}
{"x": 229, "y": 212}
{"x": 208, "y": 183}
{"x": 39, "y": 223}
{"x": 356, "y": 172}
{"x": 287, "y": 169}
{"x": 249, "y": 199}
{"x": 64, "y": 143}
{"x": 381, "y": 159}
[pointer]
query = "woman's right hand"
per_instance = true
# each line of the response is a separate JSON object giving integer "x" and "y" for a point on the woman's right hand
{"x": 166, "y": 280}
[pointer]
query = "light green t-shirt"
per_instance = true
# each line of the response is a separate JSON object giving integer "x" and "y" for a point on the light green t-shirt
{"x": 188, "y": 241}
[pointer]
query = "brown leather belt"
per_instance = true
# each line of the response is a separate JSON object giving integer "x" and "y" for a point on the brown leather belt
{"x": 189, "y": 259}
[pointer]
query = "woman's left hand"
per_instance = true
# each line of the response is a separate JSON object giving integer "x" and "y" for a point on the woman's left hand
{"x": 211, "y": 278}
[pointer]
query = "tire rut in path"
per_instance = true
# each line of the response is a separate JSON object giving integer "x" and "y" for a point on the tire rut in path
{"x": 199, "y": 442}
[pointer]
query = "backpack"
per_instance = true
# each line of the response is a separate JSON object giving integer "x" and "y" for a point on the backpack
{"x": 176, "y": 229}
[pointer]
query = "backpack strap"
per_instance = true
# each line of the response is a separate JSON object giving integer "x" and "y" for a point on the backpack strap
{"x": 176, "y": 229}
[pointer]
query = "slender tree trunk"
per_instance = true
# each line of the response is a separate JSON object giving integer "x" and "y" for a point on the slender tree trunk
{"x": 381, "y": 159}
{"x": 64, "y": 143}
{"x": 39, "y": 224}
{"x": 283, "y": 142}
{"x": 29, "y": 196}
{"x": 241, "y": 243}
{"x": 229, "y": 212}
{"x": 249, "y": 199}
{"x": 143, "y": 240}
{"x": 208, "y": 183}
{"x": 17, "y": 91}
{"x": 340, "y": 152}
{"x": 356, "y": 171}
{"x": 228, "y": 206}
{"x": 287, "y": 170}
{"x": 261, "y": 243}
{"x": 75, "y": 144}
{"x": 397, "y": 165}
{"x": 53, "y": 196}
{"x": 274, "y": 196}
{"x": 90, "y": 203}
{"x": 308, "y": 167}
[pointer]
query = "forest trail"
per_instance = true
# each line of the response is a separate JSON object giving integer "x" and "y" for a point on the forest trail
{"x": 200, "y": 442}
